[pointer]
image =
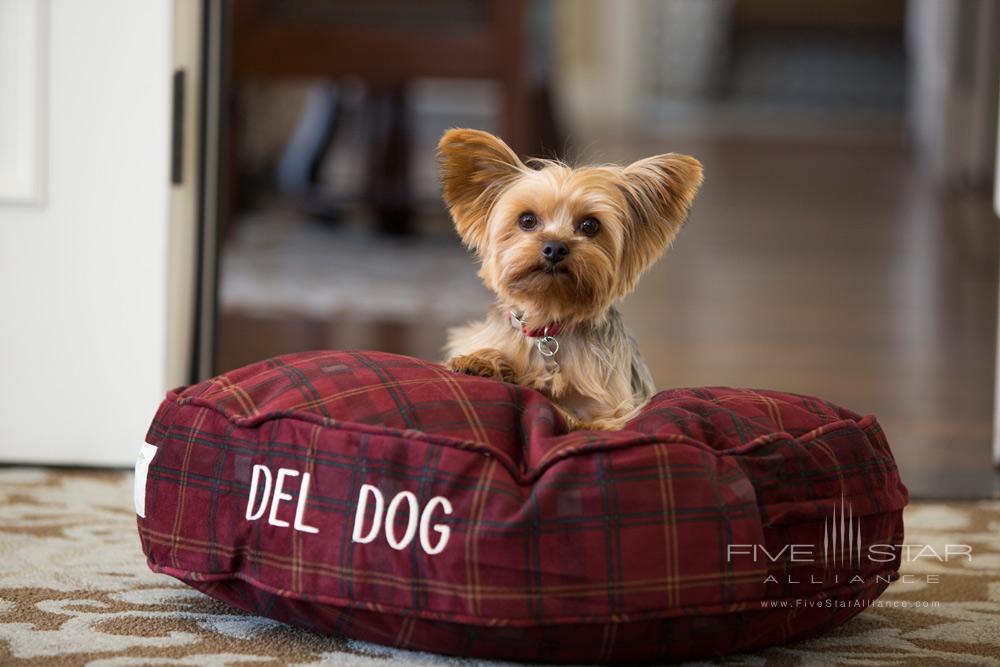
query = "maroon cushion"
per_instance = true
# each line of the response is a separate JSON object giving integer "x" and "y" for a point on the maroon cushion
{"x": 719, "y": 520}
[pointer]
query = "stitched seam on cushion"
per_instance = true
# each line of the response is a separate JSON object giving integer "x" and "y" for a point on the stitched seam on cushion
{"x": 734, "y": 607}
{"x": 867, "y": 424}
{"x": 530, "y": 475}
{"x": 857, "y": 497}
{"x": 484, "y": 449}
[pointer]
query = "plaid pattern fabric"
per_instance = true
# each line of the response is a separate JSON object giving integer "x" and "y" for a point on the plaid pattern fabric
{"x": 666, "y": 540}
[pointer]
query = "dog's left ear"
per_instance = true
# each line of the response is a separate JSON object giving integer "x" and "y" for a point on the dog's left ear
{"x": 659, "y": 191}
{"x": 475, "y": 168}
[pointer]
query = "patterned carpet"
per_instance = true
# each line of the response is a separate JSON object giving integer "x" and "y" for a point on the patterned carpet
{"x": 75, "y": 590}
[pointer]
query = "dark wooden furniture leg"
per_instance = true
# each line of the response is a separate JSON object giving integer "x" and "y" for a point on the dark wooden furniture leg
{"x": 388, "y": 186}
{"x": 301, "y": 163}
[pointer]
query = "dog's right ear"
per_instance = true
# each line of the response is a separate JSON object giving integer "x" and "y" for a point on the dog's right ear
{"x": 475, "y": 168}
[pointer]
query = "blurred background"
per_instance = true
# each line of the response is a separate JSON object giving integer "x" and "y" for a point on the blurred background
{"x": 844, "y": 243}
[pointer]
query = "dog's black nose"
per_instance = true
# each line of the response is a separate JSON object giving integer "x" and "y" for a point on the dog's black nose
{"x": 554, "y": 251}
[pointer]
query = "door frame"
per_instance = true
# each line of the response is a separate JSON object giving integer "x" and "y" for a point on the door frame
{"x": 213, "y": 140}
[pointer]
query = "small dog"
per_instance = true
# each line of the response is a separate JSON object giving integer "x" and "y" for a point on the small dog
{"x": 559, "y": 246}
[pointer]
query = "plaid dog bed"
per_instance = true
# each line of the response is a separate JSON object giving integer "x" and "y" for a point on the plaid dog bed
{"x": 384, "y": 498}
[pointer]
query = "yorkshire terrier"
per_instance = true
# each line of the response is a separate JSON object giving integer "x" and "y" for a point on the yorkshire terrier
{"x": 559, "y": 246}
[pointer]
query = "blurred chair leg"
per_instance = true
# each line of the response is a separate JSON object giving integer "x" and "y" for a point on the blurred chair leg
{"x": 548, "y": 138}
{"x": 301, "y": 161}
{"x": 515, "y": 116}
{"x": 388, "y": 187}
{"x": 530, "y": 125}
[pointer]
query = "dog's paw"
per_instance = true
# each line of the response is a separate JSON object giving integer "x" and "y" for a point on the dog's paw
{"x": 611, "y": 422}
{"x": 484, "y": 363}
{"x": 606, "y": 424}
{"x": 601, "y": 420}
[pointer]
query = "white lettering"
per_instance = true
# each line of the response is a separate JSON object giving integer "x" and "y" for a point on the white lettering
{"x": 300, "y": 507}
{"x": 415, "y": 520}
{"x": 444, "y": 532}
{"x": 958, "y": 550}
{"x": 280, "y": 495}
{"x": 258, "y": 470}
{"x": 881, "y": 553}
{"x": 254, "y": 513}
{"x": 737, "y": 550}
{"x": 411, "y": 521}
{"x": 367, "y": 490}
{"x": 800, "y": 553}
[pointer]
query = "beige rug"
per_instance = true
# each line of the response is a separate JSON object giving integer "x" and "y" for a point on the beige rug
{"x": 74, "y": 589}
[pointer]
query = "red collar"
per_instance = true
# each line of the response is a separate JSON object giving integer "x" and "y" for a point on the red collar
{"x": 551, "y": 329}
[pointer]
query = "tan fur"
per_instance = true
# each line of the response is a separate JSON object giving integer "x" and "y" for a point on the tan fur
{"x": 602, "y": 381}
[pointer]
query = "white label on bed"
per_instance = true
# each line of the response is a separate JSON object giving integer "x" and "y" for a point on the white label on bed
{"x": 146, "y": 455}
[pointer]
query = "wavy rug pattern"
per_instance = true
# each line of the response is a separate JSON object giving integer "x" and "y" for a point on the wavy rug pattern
{"x": 75, "y": 590}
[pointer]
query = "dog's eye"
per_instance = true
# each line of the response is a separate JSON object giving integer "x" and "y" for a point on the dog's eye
{"x": 589, "y": 227}
{"x": 527, "y": 221}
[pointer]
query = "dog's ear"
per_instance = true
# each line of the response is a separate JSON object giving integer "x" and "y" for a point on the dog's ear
{"x": 475, "y": 168}
{"x": 659, "y": 191}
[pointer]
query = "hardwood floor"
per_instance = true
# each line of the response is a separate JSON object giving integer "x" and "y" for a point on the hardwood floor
{"x": 832, "y": 270}
{"x": 820, "y": 268}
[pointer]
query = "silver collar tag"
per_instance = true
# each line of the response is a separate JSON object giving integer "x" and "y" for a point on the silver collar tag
{"x": 546, "y": 345}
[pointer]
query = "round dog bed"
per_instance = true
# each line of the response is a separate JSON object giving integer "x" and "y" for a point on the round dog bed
{"x": 384, "y": 498}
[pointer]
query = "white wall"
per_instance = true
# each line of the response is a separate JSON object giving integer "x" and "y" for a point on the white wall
{"x": 83, "y": 278}
{"x": 23, "y": 52}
